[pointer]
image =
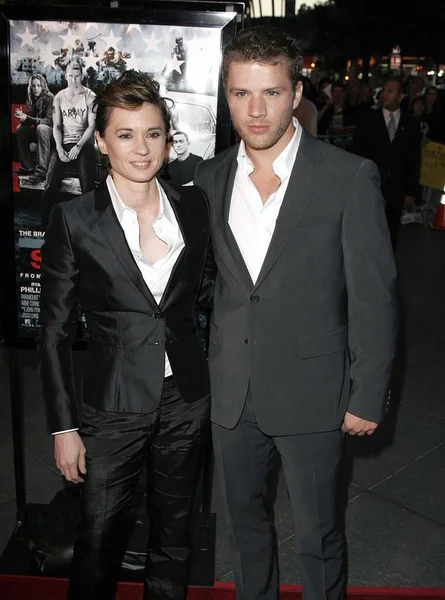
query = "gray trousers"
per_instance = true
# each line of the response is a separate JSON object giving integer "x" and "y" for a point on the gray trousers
{"x": 42, "y": 135}
{"x": 246, "y": 460}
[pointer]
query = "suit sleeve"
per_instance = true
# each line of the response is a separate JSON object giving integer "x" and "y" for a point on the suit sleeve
{"x": 205, "y": 298}
{"x": 371, "y": 290}
{"x": 58, "y": 324}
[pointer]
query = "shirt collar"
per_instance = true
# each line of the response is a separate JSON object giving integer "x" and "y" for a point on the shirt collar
{"x": 120, "y": 208}
{"x": 387, "y": 112}
{"x": 283, "y": 164}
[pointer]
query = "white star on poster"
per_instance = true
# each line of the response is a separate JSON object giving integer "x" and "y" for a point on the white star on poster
{"x": 152, "y": 43}
{"x": 46, "y": 56}
{"x": 111, "y": 41}
{"x": 90, "y": 61}
{"x": 27, "y": 37}
{"x": 132, "y": 63}
{"x": 195, "y": 45}
{"x": 175, "y": 64}
{"x": 88, "y": 25}
{"x": 69, "y": 39}
{"x": 134, "y": 26}
{"x": 174, "y": 28}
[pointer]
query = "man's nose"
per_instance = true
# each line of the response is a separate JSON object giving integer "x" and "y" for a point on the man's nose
{"x": 257, "y": 106}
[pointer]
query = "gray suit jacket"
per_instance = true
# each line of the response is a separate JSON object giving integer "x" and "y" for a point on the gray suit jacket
{"x": 316, "y": 335}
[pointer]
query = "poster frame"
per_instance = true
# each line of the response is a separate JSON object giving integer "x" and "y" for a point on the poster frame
{"x": 226, "y": 16}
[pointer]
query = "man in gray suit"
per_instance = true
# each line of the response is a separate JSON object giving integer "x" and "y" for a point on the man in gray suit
{"x": 303, "y": 331}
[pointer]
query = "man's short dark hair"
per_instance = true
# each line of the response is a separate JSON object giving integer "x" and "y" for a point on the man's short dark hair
{"x": 181, "y": 133}
{"x": 130, "y": 91}
{"x": 263, "y": 44}
{"x": 396, "y": 80}
{"x": 75, "y": 64}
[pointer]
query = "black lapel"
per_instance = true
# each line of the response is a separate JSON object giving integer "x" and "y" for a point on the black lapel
{"x": 114, "y": 235}
{"x": 384, "y": 128}
{"x": 302, "y": 184}
{"x": 401, "y": 125}
{"x": 224, "y": 180}
{"x": 182, "y": 214}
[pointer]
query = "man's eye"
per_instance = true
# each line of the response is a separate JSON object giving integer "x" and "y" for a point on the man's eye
{"x": 154, "y": 134}
{"x": 240, "y": 94}
{"x": 273, "y": 93}
{"x": 124, "y": 136}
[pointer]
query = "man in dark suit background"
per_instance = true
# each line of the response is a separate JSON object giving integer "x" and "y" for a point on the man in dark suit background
{"x": 303, "y": 330}
{"x": 181, "y": 169}
{"x": 392, "y": 139}
{"x": 133, "y": 252}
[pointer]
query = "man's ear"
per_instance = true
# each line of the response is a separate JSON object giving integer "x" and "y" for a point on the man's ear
{"x": 298, "y": 94}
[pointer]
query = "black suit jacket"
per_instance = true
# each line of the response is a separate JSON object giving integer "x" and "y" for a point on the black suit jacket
{"x": 86, "y": 257}
{"x": 315, "y": 335}
{"x": 398, "y": 162}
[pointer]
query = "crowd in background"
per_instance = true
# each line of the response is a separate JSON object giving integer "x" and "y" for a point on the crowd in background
{"x": 388, "y": 124}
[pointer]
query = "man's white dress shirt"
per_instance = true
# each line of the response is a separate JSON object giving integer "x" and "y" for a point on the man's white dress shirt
{"x": 252, "y": 222}
{"x": 387, "y": 114}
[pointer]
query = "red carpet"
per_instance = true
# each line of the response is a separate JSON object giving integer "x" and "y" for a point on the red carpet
{"x": 16, "y": 587}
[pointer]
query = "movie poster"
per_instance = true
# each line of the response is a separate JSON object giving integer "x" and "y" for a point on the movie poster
{"x": 184, "y": 59}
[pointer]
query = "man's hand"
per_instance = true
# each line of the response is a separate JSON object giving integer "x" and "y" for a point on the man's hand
{"x": 62, "y": 154}
{"x": 74, "y": 153}
{"x": 356, "y": 426}
{"x": 69, "y": 453}
{"x": 409, "y": 201}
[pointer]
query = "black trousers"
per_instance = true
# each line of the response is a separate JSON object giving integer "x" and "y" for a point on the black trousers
{"x": 171, "y": 442}
{"x": 246, "y": 459}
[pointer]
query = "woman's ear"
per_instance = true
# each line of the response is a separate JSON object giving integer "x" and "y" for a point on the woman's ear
{"x": 101, "y": 143}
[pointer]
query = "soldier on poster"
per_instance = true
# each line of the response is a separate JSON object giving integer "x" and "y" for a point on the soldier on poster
{"x": 74, "y": 121}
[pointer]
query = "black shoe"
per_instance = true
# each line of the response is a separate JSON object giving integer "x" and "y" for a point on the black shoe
{"x": 37, "y": 178}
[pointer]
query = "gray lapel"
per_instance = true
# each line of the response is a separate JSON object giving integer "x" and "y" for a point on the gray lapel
{"x": 224, "y": 180}
{"x": 301, "y": 187}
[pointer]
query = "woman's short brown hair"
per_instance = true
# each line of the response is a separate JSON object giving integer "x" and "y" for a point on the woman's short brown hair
{"x": 130, "y": 91}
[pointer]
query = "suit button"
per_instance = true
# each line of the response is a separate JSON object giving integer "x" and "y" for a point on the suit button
{"x": 246, "y": 342}
{"x": 158, "y": 315}
{"x": 254, "y": 298}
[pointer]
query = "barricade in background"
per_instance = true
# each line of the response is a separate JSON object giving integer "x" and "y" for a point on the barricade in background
{"x": 439, "y": 220}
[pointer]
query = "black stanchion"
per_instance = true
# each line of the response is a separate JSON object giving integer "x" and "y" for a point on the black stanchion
{"x": 16, "y": 400}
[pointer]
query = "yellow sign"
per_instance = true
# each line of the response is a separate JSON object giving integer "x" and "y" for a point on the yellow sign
{"x": 432, "y": 169}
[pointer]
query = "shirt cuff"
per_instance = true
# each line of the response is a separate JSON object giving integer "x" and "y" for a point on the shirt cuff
{"x": 66, "y": 431}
